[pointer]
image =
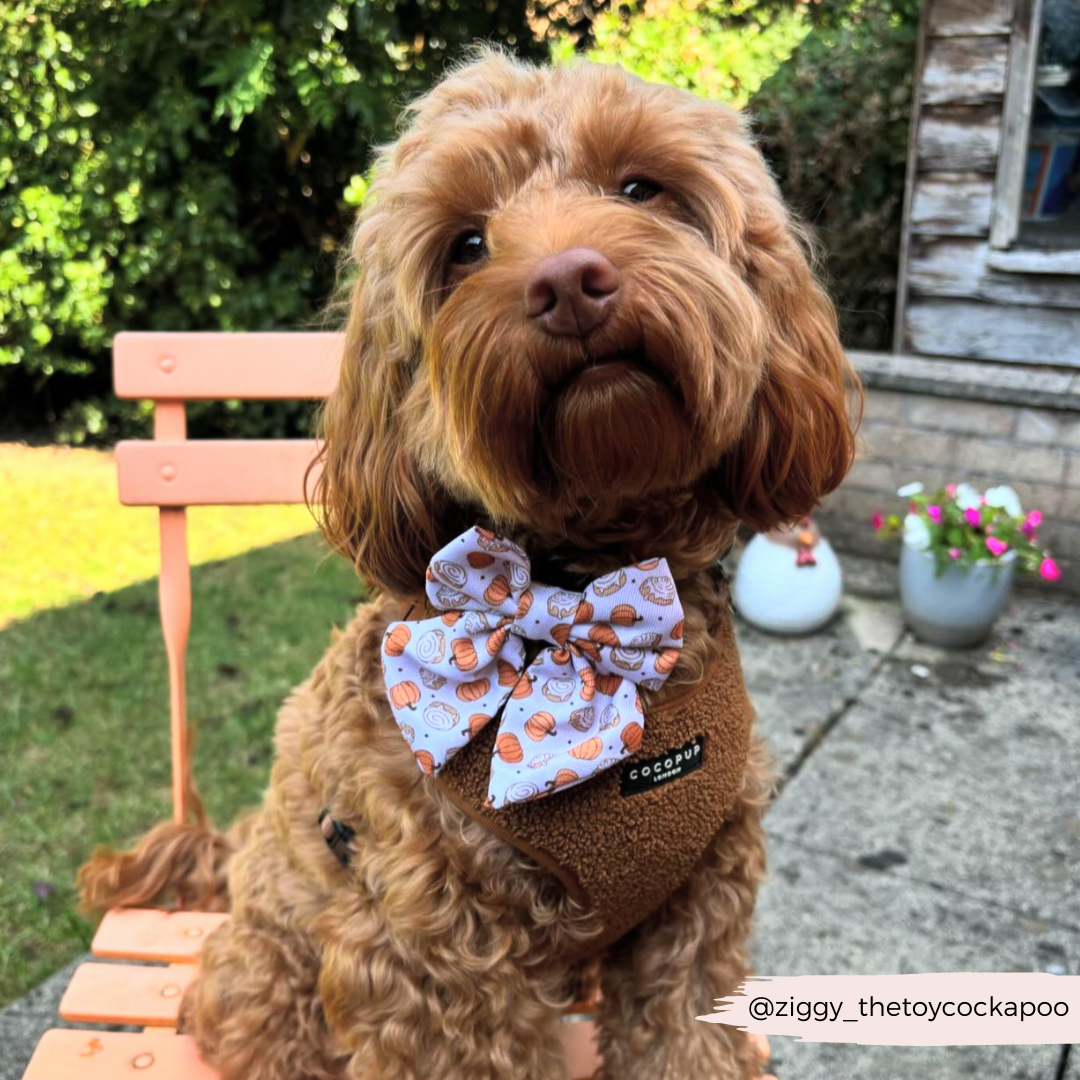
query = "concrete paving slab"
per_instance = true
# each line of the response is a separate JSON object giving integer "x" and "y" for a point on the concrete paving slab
{"x": 18, "y": 1037}
{"x": 872, "y": 578}
{"x": 960, "y": 769}
{"x": 45, "y": 998}
{"x": 800, "y": 685}
{"x": 24, "y": 1022}
{"x": 824, "y": 915}
{"x": 1070, "y": 1069}
{"x": 1033, "y": 635}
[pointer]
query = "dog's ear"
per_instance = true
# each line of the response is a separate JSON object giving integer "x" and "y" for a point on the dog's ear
{"x": 799, "y": 441}
{"x": 373, "y": 504}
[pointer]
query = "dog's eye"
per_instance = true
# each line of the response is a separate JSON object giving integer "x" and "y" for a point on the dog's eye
{"x": 468, "y": 248}
{"x": 640, "y": 190}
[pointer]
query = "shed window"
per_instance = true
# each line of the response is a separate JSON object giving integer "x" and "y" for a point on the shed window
{"x": 1050, "y": 195}
{"x": 1036, "y": 219}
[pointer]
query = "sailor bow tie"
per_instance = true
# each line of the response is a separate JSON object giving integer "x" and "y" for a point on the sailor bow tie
{"x": 570, "y": 714}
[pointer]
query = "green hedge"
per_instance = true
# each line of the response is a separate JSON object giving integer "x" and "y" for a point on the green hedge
{"x": 834, "y": 124}
{"x": 189, "y": 164}
{"x": 194, "y": 164}
{"x": 721, "y": 49}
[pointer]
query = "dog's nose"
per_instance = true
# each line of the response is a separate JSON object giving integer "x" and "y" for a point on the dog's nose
{"x": 572, "y": 293}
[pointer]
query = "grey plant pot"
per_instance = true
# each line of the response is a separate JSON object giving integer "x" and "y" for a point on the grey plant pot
{"x": 958, "y": 608}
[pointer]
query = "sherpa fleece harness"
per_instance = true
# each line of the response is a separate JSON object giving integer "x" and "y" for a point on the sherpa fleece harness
{"x": 622, "y": 842}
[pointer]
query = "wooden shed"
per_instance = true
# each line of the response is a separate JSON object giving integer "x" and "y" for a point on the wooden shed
{"x": 977, "y": 280}
{"x": 983, "y": 384}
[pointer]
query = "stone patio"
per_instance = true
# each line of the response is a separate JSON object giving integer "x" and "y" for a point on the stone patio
{"x": 929, "y": 814}
{"x": 928, "y": 819}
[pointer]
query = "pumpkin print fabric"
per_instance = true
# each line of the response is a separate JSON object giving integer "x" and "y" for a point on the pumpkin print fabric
{"x": 571, "y": 713}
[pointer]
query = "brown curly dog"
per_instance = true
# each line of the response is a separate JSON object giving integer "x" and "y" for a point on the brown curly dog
{"x": 580, "y": 316}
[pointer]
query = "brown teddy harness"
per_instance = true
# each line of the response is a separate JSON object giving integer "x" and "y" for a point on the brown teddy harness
{"x": 622, "y": 843}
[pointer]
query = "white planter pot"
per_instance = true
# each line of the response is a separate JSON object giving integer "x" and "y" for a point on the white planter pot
{"x": 957, "y": 608}
{"x": 775, "y": 594}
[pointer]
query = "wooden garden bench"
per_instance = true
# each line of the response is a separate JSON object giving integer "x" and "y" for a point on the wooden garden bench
{"x": 172, "y": 473}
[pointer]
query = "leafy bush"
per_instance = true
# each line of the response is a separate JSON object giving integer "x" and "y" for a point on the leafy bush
{"x": 834, "y": 124}
{"x": 177, "y": 164}
{"x": 720, "y": 49}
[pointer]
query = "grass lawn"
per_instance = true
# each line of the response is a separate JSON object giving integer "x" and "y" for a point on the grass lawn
{"x": 83, "y": 691}
{"x": 64, "y": 534}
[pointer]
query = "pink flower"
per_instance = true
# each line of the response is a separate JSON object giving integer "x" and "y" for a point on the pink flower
{"x": 996, "y": 546}
{"x": 974, "y": 519}
{"x": 878, "y": 521}
{"x": 950, "y": 490}
{"x": 1049, "y": 570}
{"x": 1034, "y": 519}
{"x": 955, "y": 553}
{"x": 934, "y": 514}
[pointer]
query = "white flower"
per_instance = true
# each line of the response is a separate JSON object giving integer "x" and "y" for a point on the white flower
{"x": 967, "y": 498}
{"x": 1006, "y": 499}
{"x": 916, "y": 532}
{"x": 910, "y": 489}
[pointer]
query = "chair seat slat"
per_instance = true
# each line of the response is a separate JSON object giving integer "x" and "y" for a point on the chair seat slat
{"x": 117, "y": 1055}
{"x": 146, "y": 934}
{"x": 71, "y": 1054}
{"x": 219, "y": 366}
{"x": 125, "y": 994}
{"x": 214, "y": 472}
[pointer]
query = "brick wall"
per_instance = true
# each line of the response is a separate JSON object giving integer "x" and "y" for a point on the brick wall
{"x": 910, "y": 435}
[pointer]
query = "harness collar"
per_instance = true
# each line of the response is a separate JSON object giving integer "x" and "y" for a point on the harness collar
{"x": 338, "y": 836}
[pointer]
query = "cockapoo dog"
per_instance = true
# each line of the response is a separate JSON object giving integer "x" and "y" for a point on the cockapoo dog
{"x": 583, "y": 337}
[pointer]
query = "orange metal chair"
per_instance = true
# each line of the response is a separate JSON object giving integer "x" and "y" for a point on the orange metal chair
{"x": 173, "y": 473}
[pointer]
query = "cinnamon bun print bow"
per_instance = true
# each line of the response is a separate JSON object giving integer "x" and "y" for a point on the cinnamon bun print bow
{"x": 575, "y": 710}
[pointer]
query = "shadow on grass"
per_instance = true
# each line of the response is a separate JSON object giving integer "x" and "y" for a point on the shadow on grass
{"x": 84, "y": 725}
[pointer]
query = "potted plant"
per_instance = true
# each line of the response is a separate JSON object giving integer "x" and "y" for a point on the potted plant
{"x": 960, "y": 551}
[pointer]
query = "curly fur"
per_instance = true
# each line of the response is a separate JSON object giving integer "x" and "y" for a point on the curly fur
{"x": 440, "y": 951}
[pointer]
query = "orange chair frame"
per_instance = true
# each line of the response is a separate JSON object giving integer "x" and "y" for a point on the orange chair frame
{"x": 173, "y": 473}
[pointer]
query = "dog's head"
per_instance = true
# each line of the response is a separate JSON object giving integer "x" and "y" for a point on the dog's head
{"x": 580, "y": 312}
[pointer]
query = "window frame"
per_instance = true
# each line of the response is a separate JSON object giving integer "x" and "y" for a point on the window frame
{"x": 1018, "y": 106}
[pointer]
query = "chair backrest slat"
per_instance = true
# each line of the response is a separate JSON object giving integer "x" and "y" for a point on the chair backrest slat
{"x": 209, "y": 472}
{"x": 220, "y": 366}
{"x": 173, "y": 473}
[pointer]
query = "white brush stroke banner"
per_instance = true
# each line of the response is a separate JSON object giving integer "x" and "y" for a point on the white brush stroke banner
{"x": 944, "y": 1009}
